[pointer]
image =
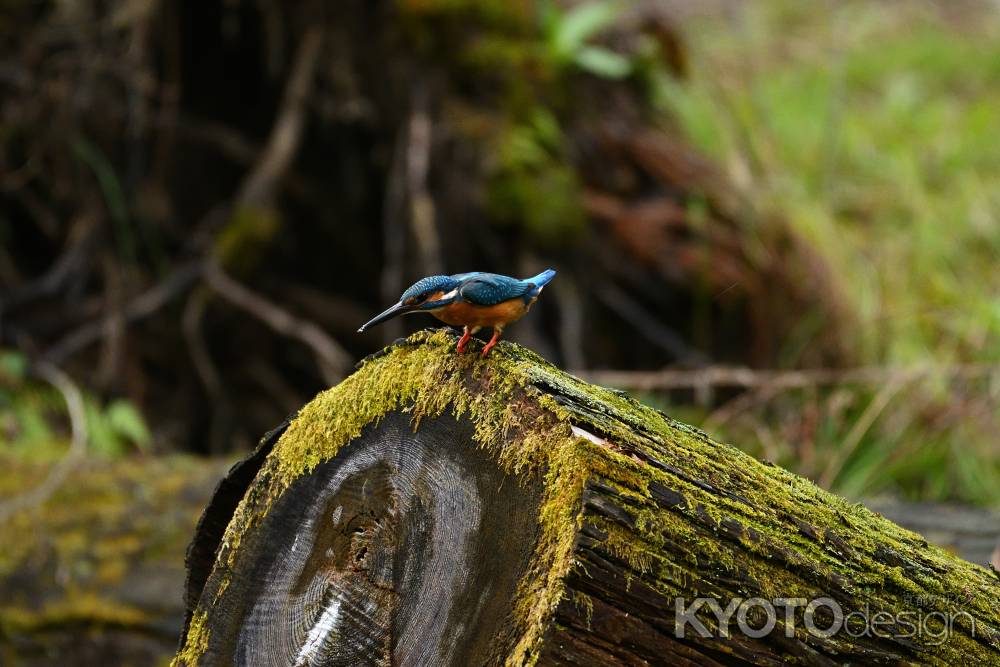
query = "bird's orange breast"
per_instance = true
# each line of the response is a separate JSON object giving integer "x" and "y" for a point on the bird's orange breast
{"x": 471, "y": 315}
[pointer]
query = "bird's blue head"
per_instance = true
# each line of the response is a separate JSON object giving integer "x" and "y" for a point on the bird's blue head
{"x": 426, "y": 294}
{"x": 421, "y": 293}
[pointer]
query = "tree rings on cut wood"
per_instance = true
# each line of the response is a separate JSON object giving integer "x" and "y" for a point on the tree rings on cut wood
{"x": 444, "y": 509}
{"x": 404, "y": 549}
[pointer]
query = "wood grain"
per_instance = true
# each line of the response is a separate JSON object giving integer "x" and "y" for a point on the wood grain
{"x": 362, "y": 541}
{"x": 405, "y": 549}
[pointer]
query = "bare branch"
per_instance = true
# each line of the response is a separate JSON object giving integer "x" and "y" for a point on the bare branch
{"x": 571, "y": 323}
{"x": 77, "y": 446}
{"x": 418, "y": 156}
{"x": 394, "y": 233}
{"x": 646, "y": 324}
{"x": 737, "y": 406}
{"x": 141, "y": 307}
{"x": 333, "y": 359}
{"x": 191, "y": 325}
{"x": 286, "y": 135}
{"x": 860, "y": 428}
{"x": 221, "y": 412}
{"x": 725, "y": 376}
{"x": 74, "y": 255}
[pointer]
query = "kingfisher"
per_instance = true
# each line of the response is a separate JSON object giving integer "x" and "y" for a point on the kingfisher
{"x": 470, "y": 300}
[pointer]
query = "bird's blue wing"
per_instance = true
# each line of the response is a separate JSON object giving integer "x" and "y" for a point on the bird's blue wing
{"x": 489, "y": 289}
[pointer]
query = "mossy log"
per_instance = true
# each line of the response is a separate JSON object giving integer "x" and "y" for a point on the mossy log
{"x": 93, "y": 575}
{"x": 445, "y": 509}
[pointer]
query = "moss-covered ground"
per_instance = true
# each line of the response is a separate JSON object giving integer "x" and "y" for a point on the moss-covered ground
{"x": 104, "y": 553}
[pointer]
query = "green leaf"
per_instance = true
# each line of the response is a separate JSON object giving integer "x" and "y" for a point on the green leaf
{"x": 113, "y": 190}
{"x": 549, "y": 16}
{"x": 546, "y": 128}
{"x": 126, "y": 421}
{"x": 31, "y": 428}
{"x": 13, "y": 365}
{"x": 580, "y": 24}
{"x": 102, "y": 438}
{"x": 602, "y": 62}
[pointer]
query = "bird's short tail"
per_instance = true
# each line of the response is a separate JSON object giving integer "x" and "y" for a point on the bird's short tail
{"x": 540, "y": 281}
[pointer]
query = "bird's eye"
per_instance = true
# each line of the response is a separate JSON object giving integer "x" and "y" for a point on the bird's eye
{"x": 421, "y": 298}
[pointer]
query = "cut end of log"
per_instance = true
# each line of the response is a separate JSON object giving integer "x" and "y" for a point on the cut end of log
{"x": 446, "y": 509}
{"x": 405, "y": 544}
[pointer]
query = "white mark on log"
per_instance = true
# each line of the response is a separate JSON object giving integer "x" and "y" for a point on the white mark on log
{"x": 306, "y": 613}
{"x": 587, "y": 435}
{"x": 319, "y": 632}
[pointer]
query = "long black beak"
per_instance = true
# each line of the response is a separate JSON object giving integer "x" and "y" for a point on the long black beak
{"x": 391, "y": 312}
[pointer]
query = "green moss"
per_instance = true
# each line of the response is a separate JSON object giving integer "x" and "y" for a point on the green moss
{"x": 542, "y": 588}
{"x": 196, "y": 642}
{"x": 734, "y": 513}
{"x": 248, "y": 233}
{"x": 78, "y": 608}
{"x": 425, "y": 378}
{"x": 106, "y": 517}
{"x": 69, "y": 566}
{"x": 527, "y": 162}
{"x": 586, "y": 603}
{"x": 533, "y": 182}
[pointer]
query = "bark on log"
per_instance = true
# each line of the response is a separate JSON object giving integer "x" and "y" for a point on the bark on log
{"x": 443, "y": 509}
{"x": 970, "y": 532}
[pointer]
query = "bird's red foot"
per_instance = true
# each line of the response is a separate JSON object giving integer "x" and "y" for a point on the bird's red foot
{"x": 492, "y": 343}
{"x": 463, "y": 341}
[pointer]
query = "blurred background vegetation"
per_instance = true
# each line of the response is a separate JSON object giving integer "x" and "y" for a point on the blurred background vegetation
{"x": 871, "y": 129}
{"x": 777, "y": 220}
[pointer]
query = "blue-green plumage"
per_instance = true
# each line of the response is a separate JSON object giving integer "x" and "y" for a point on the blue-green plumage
{"x": 489, "y": 289}
{"x": 429, "y": 285}
{"x": 470, "y": 299}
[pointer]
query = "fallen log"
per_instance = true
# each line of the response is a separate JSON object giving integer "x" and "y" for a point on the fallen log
{"x": 444, "y": 509}
{"x": 970, "y": 532}
{"x": 93, "y": 574}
